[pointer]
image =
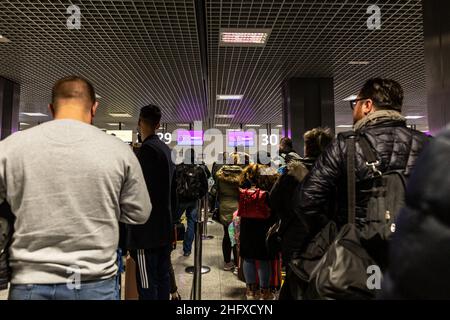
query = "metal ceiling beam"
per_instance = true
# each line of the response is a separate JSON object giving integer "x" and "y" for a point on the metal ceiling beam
{"x": 200, "y": 14}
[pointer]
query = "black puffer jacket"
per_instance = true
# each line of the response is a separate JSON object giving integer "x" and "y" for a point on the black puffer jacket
{"x": 397, "y": 148}
{"x": 419, "y": 254}
{"x": 6, "y": 231}
{"x": 281, "y": 202}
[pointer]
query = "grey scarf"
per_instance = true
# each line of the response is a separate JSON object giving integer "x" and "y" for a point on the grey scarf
{"x": 378, "y": 116}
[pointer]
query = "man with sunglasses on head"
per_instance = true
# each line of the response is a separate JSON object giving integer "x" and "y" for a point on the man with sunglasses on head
{"x": 377, "y": 117}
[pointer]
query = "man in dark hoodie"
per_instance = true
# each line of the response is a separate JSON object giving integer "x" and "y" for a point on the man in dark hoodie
{"x": 6, "y": 223}
{"x": 151, "y": 244}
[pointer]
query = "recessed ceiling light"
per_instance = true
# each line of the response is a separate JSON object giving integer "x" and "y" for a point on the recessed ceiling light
{"x": 182, "y": 124}
{"x": 253, "y": 125}
{"x": 34, "y": 114}
{"x": 280, "y": 126}
{"x": 352, "y": 97}
{"x": 24, "y": 124}
{"x": 359, "y": 63}
{"x": 229, "y": 97}
{"x": 120, "y": 115}
{"x": 3, "y": 39}
{"x": 345, "y": 126}
{"x": 222, "y": 125}
{"x": 242, "y": 37}
{"x": 225, "y": 116}
{"x": 414, "y": 117}
{"x": 112, "y": 124}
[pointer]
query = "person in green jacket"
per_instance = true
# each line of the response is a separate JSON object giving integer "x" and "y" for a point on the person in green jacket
{"x": 227, "y": 202}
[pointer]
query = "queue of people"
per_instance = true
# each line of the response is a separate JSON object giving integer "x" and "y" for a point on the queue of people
{"x": 343, "y": 188}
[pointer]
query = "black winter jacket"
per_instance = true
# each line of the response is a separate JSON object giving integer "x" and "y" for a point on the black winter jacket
{"x": 281, "y": 202}
{"x": 419, "y": 253}
{"x": 397, "y": 148}
{"x": 6, "y": 232}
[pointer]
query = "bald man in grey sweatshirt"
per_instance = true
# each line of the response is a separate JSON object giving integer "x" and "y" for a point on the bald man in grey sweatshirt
{"x": 69, "y": 184}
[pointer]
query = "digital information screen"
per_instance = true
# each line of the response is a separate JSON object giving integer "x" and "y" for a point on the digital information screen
{"x": 241, "y": 138}
{"x": 189, "y": 137}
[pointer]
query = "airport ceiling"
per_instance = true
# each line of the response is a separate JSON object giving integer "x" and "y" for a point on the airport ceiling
{"x": 140, "y": 52}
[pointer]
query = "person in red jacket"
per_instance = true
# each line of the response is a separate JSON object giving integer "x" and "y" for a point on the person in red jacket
{"x": 256, "y": 179}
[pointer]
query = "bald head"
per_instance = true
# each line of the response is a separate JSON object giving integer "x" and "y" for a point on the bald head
{"x": 73, "y": 90}
{"x": 73, "y": 98}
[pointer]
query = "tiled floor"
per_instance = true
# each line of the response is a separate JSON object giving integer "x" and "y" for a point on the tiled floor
{"x": 216, "y": 285}
{"x": 3, "y": 294}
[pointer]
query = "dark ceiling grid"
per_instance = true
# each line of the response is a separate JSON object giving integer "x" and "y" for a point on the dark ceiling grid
{"x": 161, "y": 80}
{"x": 232, "y": 49}
{"x": 132, "y": 73}
{"x": 122, "y": 71}
{"x": 46, "y": 92}
{"x": 247, "y": 114}
{"x": 196, "y": 115}
{"x": 77, "y": 61}
{"x": 353, "y": 81}
{"x": 354, "y": 73}
{"x": 233, "y": 106}
{"x": 404, "y": 15}
{"x": 169, "y": 75}
{"x": 276, "y": 80}
{"x": 138, "y": 52}
{"x": 362, "y": 40}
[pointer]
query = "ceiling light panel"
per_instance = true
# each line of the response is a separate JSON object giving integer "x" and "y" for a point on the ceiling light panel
{"x": 242, "y": 37}
{"x": 34, "y": 114}
{"x": 229, "y": 97}
{"x": 120, "y": 115}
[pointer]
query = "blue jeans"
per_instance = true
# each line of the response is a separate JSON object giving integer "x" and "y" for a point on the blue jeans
{"x": 152, "y": 272}
{"x": 191, "y": 216}
{"x": 263, "y": 272}
{"x": 92, "y": 290}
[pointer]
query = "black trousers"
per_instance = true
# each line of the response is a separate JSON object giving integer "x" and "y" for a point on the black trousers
{"x": 226, "y": 247}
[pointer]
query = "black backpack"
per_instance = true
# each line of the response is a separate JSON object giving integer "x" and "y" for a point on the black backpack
{"x": 192, "y": 182}
{"x": 387, "y": 197}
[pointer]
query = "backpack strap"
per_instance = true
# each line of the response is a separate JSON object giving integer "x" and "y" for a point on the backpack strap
{"x": 369, "y": 155}
{"x": 351, "y": 177}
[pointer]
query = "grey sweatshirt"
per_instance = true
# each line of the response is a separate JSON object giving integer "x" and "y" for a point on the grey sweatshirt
{"x": 69, "y": 184}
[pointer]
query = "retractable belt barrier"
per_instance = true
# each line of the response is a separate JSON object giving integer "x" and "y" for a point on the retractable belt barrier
{"x": 198, "y": 269}
{"x": 205, "y": 235}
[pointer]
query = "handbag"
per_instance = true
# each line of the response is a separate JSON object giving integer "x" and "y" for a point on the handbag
{"x": 253, "y": 204}
{"x": 342, "y": 271}
{"x": 303, "y": 265}
{"x": 273, "y": 239}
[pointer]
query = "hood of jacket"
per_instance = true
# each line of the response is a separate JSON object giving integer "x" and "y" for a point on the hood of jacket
{"x": 379, "y": 117}
{"x": 229, "y": 173}
{"x": 297, "y": 170}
